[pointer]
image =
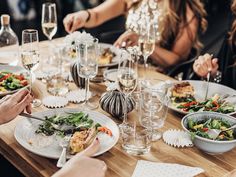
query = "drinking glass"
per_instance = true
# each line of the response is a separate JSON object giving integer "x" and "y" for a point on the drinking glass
{"x": 146, "y": 41}
{"x": 88, "y": 66}
{"x": 55, "y": 83}
{"x": 136, "y": 140}
{"x": 127, "y": 79}
{"x": 153, "y": 110}
{"x": 49, "y": 23}
{"x": 49, "y": 20}
{"x": 30, "y": 55}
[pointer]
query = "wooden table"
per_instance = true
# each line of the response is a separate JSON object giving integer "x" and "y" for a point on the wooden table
{"x": 119, "y": 163}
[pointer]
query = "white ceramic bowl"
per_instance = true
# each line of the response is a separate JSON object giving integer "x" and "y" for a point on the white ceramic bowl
{"x": 207, "y": 145}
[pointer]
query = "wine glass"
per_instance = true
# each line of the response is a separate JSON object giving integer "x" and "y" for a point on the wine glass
{"x": 146, "y": 41}
{"x": 127, "y": 80}
{"x": 49, "y": 22}
{"x": 153, "y": 110}
{"x": 88, "y": 66}
{"x": 30, "y": 55}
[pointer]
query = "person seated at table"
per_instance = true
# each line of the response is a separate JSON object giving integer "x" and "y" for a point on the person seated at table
{"x": 180, "y": 25}
{"x": 12, "y": 105}
{"x": 224, "y": 65}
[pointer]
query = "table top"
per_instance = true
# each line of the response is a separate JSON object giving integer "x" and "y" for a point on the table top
{"x": 119, "y": 163}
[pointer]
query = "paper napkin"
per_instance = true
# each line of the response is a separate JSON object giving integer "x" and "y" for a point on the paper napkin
{"x": 153, "y": 169}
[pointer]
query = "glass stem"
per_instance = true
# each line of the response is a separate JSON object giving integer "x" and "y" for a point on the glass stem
{"x": 30, "y": 89}
{"x": 86, "y": 90}
{"x": 145, "y": 66}
{"x": 125, "y": 109}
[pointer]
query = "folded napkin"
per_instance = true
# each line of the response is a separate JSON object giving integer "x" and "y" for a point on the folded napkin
{"x": 153, "y": 169}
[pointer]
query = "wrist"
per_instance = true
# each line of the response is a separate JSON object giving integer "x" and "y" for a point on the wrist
{"x": 89, "y": 15}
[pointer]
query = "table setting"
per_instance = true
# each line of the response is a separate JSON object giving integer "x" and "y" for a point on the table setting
{"x": 147, "y": 123}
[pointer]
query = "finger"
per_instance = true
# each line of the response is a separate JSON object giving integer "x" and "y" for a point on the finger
{"x": 76, "y": 24}
{"x": 29, "y": 108}
{"x": 18, "y": 96}
{"x": 23, "y": 104}
{"x": 215, "y": 63}
{"x": 68, "y": 20}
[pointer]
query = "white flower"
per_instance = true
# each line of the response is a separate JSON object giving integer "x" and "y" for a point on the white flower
{"x": 78, "y": 37}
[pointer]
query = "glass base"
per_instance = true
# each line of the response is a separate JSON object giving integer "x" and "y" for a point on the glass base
{"x": 88, "y": 106}
{"x": 156, "y": 135}
{"x": 36, "y": 103}
{"x": 58, "y": 91}
{"x": 133, "y": 150}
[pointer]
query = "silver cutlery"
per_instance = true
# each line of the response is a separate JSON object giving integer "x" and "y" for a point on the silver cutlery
{"x": 64, "y": 144}
{"x": 214, "y": 133}
{"x": 208, "y": 80}
{"x": 55, "y": 126}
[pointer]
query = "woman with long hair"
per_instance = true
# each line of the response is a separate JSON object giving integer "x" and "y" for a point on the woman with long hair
{"x": 224, "y": 65}
{"x": 180, "y": 24}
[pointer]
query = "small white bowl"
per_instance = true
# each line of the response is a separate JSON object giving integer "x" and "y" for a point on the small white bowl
{"x": 207, "y": 145}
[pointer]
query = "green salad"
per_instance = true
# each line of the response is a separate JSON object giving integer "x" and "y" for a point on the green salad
{"x": 78, "y": 121}
{"x": 214, "y": 104}
{"x": 201, "y": 127}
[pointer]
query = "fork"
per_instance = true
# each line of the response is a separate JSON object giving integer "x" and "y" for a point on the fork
{"x": 63, "y": 143}
{"x": 208, "y": 80}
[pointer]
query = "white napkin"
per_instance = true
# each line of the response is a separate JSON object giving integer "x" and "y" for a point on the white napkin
{"x": 153, "y": 169}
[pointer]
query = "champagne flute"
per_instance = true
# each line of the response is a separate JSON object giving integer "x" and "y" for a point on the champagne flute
{"x": 49, "y": 22}
{"x": 30, "y": 55}
{"x": 88, "y": 66}
{"x": 127, "y": 80}
{"x": 147, "y": 38}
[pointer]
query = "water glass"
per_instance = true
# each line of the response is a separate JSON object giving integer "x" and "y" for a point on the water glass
{"x": 153, "y": 111}
{"x": 56, "y": 84}
{"x": 136, "y": 140}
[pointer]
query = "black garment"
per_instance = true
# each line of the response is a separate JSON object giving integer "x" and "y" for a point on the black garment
{"x": 227, "y": 58}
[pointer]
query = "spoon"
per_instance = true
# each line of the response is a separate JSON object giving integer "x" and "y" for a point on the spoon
{"x": 214, "y": 133}
{"x": 208, "y": 80}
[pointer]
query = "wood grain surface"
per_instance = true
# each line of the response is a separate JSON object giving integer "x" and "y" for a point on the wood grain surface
{"x": 119, "y": 163}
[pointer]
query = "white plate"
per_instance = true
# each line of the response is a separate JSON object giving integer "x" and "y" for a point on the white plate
{"x": 111, "y": 75}
{"x": 115, "y": 59}
{"x": 25, "y": 132}
{"x": 15, "y": 70}
{"x": 200, "y": 91}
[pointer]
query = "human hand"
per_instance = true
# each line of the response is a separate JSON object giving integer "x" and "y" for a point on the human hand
{"x": 75, "y": 21}
{"x": 13, "y": 105}
{"x": 82, "y": 166}
{"x": 128, "y": 38}
{"x": 204, "y": 64}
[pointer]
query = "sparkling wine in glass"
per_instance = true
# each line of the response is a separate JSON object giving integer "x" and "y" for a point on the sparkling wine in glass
{"x": 147, "y": 38}
{"x": 88, "y": 66}
{"x": 30, "y": 55}
{"x": 49, "y": 20}
{"x": 49, "y": 23}
{"x": 127, "y": 80}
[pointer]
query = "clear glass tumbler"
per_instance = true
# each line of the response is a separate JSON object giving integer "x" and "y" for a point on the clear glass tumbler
{"x": 136, "y": 140}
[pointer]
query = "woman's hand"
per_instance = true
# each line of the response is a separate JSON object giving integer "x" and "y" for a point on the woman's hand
{"x": 13, "y": 105}
{"x": 128, "y": 38}
{"x": 204, "y": 64}
{"x": 82, "y": 166}
{"x": 75, "y": 21}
